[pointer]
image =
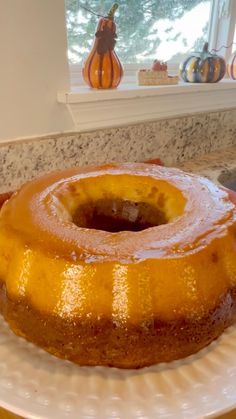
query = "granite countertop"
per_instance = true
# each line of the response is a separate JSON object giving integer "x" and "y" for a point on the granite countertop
{"x": 219, "y": 166}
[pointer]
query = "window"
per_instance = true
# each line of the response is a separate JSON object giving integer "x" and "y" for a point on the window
{"x": 150, "y": 29}
{"x": 146, "y": 29}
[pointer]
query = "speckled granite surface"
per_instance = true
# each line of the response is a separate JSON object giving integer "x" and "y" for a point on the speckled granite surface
{"x": 173, "y": 140}
{"x": 219, "y": 166}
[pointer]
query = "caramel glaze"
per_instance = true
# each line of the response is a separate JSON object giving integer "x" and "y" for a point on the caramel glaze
{"x": 129, "y": 298}
{"x": 33, "y": 214}
{"x": 4, "y": 197}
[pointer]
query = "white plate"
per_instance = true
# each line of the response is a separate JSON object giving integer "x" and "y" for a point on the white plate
{"x": 35, "y": 384}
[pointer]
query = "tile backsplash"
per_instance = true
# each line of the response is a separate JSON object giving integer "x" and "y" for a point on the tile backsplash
{"x": 173, "y": 140}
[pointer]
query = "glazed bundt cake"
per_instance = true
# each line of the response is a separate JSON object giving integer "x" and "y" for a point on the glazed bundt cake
{"x": 125, "y": 265}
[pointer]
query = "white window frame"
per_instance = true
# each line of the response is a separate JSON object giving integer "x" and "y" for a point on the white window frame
{"x": 222, "y": 25}
{"x": 221, "y": 32}
{"x": 130, "y": 103}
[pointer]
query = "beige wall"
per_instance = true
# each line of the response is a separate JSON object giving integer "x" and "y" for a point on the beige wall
{"x": 33, "y": 68}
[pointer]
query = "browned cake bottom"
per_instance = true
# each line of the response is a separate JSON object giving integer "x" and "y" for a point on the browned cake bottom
{"x": 125, "y": 346}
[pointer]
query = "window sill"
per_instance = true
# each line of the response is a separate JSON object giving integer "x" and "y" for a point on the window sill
{"x": 92, "y": 109}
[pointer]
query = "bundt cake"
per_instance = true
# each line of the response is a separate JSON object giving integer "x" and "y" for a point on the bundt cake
{"x": 124, "y": 265}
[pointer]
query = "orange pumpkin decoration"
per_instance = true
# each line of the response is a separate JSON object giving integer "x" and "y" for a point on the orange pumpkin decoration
{"x": 231, "y": 66}
{"x": 102, "y": 69}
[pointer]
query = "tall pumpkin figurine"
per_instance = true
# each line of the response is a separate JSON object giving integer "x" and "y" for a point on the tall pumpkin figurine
{"x": 203, "y": 67}
{"x": 102, "y": 69}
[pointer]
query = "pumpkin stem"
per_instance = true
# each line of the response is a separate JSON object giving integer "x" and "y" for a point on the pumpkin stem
{"x": 205, "y": 48}
{"x": 112, "y": 11}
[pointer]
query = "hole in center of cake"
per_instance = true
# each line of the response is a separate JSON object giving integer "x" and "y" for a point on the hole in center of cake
{"x": 118, "y": 215}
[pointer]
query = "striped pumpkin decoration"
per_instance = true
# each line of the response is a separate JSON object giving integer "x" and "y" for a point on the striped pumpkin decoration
{"x": 231, "y": 66}
{"x": 203, "y": 67}
{"x": 102, "y": 69}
